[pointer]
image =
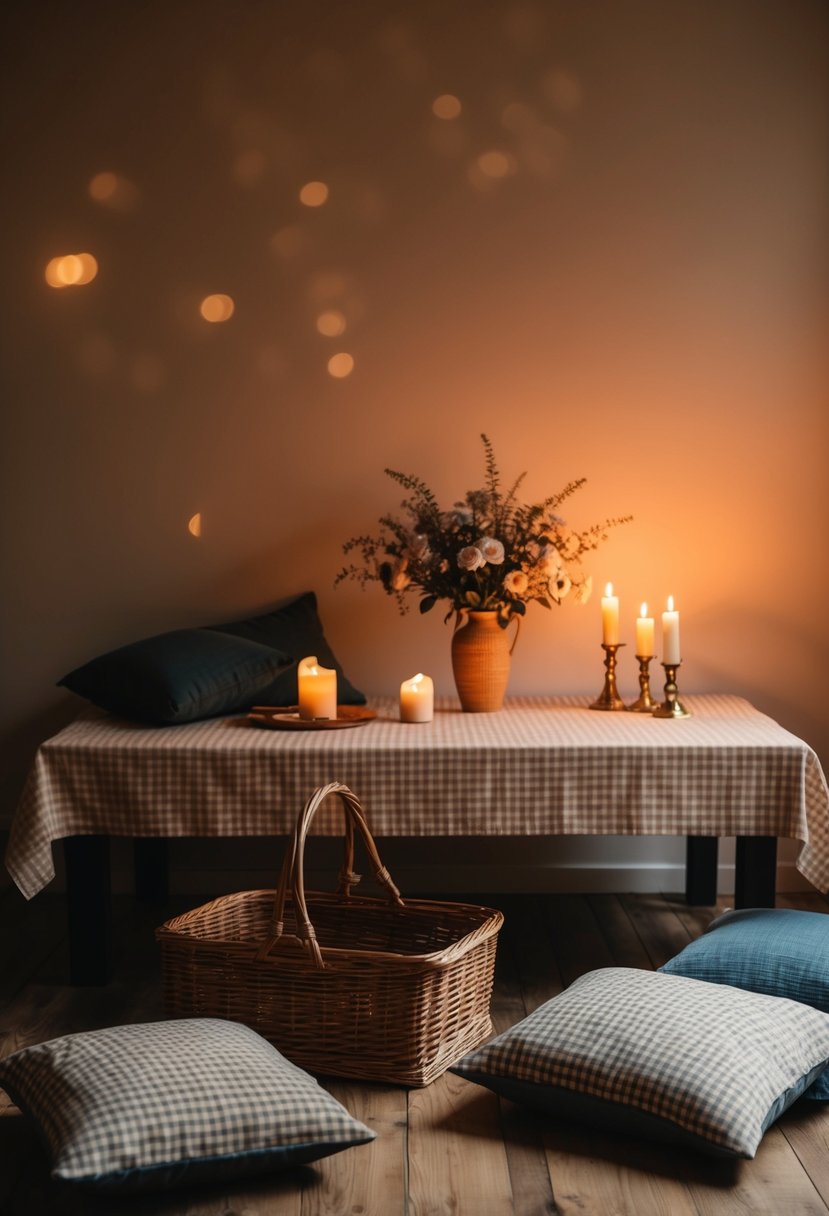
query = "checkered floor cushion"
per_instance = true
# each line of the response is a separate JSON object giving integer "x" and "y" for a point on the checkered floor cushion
{"x": 163, "y": 1103}
{"x": 660, "y": 1056}
{"x": 778, "y": 951}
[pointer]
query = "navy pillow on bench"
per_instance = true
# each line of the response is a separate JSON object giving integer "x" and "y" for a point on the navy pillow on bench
{"x": 295, "y": 629}
{"x": 180, "y": 676}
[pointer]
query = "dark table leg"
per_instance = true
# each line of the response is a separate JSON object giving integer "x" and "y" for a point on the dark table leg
{"x": 701, "y": 870}
{"x": 89, "y": 908}
{"x": 149, "y": 855}
{"x": 755, "y": 872}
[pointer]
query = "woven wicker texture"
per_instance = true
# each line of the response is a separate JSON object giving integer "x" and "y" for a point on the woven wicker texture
{"x": 371, "y": 988}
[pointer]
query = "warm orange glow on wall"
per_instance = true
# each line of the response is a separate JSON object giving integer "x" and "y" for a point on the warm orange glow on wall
{"x": 71, "y": 270}
{"x": 331, "y": 323}
{"x": 340, "y": 365}
{"x": 313, "y": 194}
{"x": 194, "y": 524}
{"x": 446, "y": 106}
{"x": 217, "y": 308}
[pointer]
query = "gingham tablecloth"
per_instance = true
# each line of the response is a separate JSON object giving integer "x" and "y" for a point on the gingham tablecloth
{"x": 541, "y": 766}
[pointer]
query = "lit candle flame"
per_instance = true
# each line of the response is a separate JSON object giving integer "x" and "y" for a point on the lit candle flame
{"x": 670, "y": 603}
{"x": 608, "y": 589}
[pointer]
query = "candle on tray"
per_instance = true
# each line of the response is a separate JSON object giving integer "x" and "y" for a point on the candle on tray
{"x": 417, "y": 699}
{"x": 316, "y": 689}
{"x": 644, "y": 633}
{"x": 670, "y": 635}
{"x": 610, "y": 617}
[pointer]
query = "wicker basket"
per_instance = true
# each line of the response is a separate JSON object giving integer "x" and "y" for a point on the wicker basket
{"x": 349, "y": 986}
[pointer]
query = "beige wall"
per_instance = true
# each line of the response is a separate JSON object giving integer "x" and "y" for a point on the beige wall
{"x": 641, "y": 301}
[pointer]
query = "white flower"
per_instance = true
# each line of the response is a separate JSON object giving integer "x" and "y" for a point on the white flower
{"x": 471, "y": 558}
{"x": 559, "y": 585}
{"x": 492, "y": 550}
{"x": 549, "y": 561}
{"x": 419, "y": 549}
{"x": 456, "y": 519}
{"x": 516, "y": 582}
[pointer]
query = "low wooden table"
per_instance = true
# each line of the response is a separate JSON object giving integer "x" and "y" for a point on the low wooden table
{"x": 540, "y": 767}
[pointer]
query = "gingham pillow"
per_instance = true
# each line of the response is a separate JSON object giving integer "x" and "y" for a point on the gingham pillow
{"x": 778, "y": 951}
{"x": 162, "y": 1103}
{"x": 660, "y": 1055}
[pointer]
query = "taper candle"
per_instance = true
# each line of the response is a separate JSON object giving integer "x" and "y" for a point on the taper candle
{"x": 610, "y": 617}
{"x": 670, "y": 634}
{"x": 644, "y": 633}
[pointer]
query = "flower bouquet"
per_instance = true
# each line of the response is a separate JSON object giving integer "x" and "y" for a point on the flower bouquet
{"x": 489, "y": 553}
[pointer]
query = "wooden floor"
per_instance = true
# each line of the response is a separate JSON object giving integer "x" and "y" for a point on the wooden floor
{"x": 452, "y": 1149}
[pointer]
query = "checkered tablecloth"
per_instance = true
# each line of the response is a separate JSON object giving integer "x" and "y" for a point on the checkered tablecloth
{"x": 541, "y": 766}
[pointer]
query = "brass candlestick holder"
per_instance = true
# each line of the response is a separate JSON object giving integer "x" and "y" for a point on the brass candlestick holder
{"x": 644, "y": 703}
{"x": 609, "y": 698}
{"x": 671, "y": 707}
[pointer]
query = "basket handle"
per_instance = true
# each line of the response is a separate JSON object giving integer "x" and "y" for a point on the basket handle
{"x": 293, "y": 868}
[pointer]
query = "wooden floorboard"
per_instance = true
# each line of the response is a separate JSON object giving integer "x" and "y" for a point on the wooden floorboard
{"x": 450, "y": 1149}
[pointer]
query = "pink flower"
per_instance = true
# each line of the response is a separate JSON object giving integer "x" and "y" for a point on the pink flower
{"x": 471, "y": 558}
{"x": 492, "y": 550}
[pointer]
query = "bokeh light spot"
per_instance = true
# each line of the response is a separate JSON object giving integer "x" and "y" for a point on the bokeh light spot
{"x": 331, "y": 323}
{"x": 194, "y": 524}
{"x": 446, "y": 106}
{"x": 289, "y": 242}
{"x": 113, "y": 191}
{"x": 313, "y": 194}
{"x": 563, "y": 89}
{"x": 249, "y": 167}
{"x": 103, "y": 187}
{"x": 71, "y": 270}
{"x": 496, "y": 164}
{"x": 217, "y": 308}
{"x": 340, "y": 365}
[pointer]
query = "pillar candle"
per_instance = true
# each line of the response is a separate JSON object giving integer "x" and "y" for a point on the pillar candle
{"x": 670, "y": 634}
{"x": 316, "y": 689}
{"x": 610, "y": 617}
{"x": 417, "y": 699}
{"x": 644, "y": 633}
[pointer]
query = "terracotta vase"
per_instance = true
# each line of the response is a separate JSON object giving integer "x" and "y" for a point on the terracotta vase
{"x": 481, "y": 654}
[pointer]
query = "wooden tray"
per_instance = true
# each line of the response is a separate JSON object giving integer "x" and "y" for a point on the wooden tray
{"x": 288, "y": 718}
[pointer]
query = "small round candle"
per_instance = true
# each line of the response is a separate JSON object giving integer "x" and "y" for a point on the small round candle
{"x": 316, "y": 689}
{"x": 610, "y": 617}
{"x": 670, "y": 634}
{"x": 644, "y": 633}
{"x": 417, "y": 699}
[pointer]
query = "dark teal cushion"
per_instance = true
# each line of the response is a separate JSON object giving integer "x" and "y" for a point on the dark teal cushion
{"x": 179, "y": 676}
{"x": 295, "y": 629}
{"x": 776, "y": 951}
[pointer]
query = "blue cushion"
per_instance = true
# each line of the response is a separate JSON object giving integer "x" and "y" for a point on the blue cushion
{"x": 294, "y": 629}
{"x": 662, "y": 1056}
{"x": 179, "y": 676}
{"x": 164, "y": 1103}
{"x": 777, "y": 951}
